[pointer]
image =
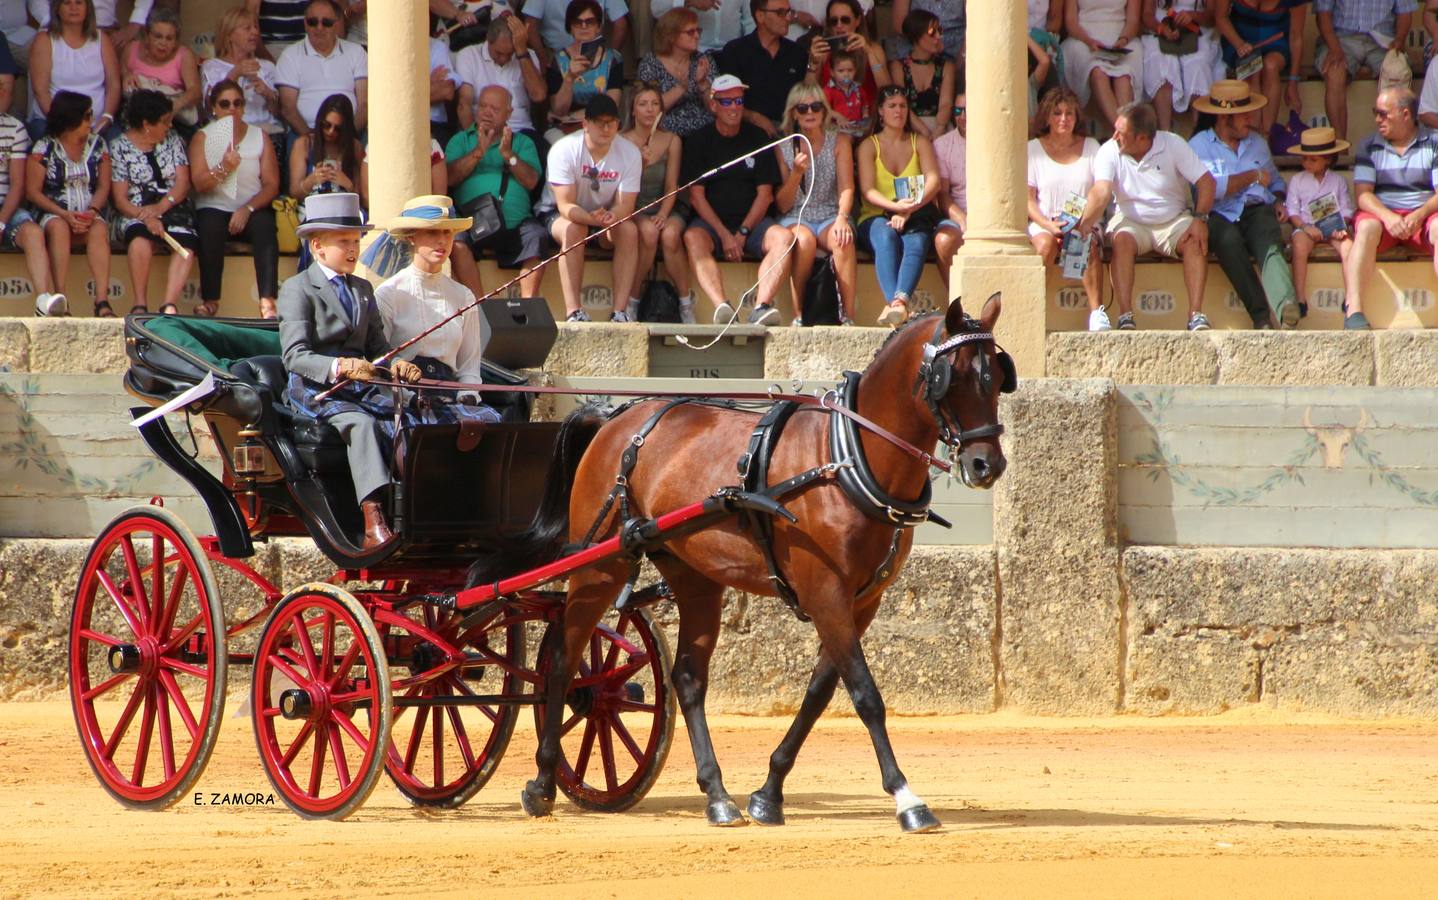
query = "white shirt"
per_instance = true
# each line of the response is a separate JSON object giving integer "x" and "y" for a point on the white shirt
{"x": 479, "y": 70}
{"x": 439, "y": 56}
{"x": 1154, "y": 190}
{"x": 1057, "y": 183}
{"x": 104, "y": 12}
{"x": 412, "y": 301}
{"x": 599, "y": 181}
{"x": 1428, "y": 99}
{"x": 15, "y": 25}
{"x": 730, "y": 20}
{"x": 316, "y": 76}
{"x": 257, "y": 112}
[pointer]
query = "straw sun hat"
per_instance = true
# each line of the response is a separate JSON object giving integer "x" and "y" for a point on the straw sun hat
{"x": 429, "y": 212}
{"x": 1229, "y": 97}
{"x": 1319, "y": 142}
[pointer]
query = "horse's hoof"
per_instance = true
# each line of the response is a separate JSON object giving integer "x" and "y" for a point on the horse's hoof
{"x": 724, "y": 814}
{"x": 534, "y": 803}
{"x": 918, "y": 820}
{"x": 765, "y": 812}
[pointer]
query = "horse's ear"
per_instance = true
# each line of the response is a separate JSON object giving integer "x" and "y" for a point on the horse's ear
{"x": 954, "y": 318}
{"x": 992, "y": 307}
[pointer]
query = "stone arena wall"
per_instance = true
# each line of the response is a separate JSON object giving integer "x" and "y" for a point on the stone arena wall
{"x": 1063, "y": 613}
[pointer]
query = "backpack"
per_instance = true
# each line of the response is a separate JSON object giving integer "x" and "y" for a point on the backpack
{"x": 658, "y": 302}
{"x": 821, "y": 296}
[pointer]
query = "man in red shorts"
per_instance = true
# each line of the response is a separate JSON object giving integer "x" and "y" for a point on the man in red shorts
{"x": 1394, "y": 178}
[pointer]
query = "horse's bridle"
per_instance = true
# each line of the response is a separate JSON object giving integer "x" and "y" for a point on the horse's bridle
{"x": 935, "y": 377}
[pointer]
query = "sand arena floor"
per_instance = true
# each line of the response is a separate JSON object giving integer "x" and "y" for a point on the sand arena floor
{"x": 1249, "y": 804}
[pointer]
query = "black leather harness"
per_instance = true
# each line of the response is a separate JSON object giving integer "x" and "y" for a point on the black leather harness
{"x": 756, "y": 502}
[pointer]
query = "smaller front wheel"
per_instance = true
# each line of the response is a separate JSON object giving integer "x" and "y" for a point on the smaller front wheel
{"x": 319, "y": 664}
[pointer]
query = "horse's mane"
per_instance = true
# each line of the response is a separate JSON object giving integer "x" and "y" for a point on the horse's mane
{"x": 900, "y": 330}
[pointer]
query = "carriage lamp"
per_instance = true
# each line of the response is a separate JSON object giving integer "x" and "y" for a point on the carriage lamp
{"x": 248, "y": 455}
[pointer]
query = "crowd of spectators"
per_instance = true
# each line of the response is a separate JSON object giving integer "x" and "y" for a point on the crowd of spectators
{"x": 125, "y": 137}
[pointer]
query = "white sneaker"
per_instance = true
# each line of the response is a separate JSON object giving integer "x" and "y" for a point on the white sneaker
{"x": 724, "y": 313}
{"x": 620, "y": 315}
{"x": 51, "y": 305}
{"x": 1098, "y": 321}
{"x": 686, "y": 310}
{"x": 764, "y": 314}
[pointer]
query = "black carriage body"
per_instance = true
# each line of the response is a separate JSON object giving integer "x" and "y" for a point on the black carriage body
{"x": 455, "y": 491}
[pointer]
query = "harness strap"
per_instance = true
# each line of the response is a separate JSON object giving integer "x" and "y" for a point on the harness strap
{"x": 627, "y": 461}
{"x": 754, "y": 469}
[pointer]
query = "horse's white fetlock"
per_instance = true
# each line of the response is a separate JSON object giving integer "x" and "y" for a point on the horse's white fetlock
{"x": 905, "y": 800}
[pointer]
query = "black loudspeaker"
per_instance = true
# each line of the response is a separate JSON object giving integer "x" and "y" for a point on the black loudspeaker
{"x": 521, "y": 332}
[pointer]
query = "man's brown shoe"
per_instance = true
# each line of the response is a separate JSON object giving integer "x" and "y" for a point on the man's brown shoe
{"x": 376, "y": 529}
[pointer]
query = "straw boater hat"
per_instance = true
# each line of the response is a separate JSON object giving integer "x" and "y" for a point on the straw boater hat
{"x": 1319, "y": 142}
{"x": 332, "y": 212}
{"x": 429, "y": 212}
{"x": 1230, "y": 97}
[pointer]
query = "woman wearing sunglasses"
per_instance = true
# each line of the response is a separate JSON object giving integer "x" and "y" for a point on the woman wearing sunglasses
{"x": 236, "y": 176}
{"x": 682, "y": 72}
{"x": 583, "y": 69}
{"x": 846, "y": 28}
{"x": 330, "y": 159}
{"x": 898, "y": 178}
{"x": 927, "y": 74}
{"x": 822, "y": 170}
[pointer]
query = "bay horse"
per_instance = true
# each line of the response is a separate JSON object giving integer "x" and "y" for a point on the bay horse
{"x": 936, "y": 377}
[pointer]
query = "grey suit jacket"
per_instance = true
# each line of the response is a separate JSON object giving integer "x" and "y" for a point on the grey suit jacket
{"x": 315, "y": 329}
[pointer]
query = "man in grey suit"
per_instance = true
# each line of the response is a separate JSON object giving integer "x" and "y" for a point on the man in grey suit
{"x": 330, "y": 329}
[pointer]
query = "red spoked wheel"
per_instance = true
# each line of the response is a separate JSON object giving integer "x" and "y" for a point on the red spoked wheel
{"x": 621, "y": 708}
{"x": 318, "y": 666}
{"x": 442, "y": 755}
{"x": 147, "y": 658}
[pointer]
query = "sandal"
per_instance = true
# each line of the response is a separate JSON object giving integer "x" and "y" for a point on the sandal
{"x": 169, "y": 309}
{"x": 267, "y": 309}
{"x": 138, "y": 308}
{"x": 103, "y": 310}
{"x": 207, "y": 308}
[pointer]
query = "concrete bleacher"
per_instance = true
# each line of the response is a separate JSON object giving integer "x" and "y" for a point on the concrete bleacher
{"x": 1403, "y": 293}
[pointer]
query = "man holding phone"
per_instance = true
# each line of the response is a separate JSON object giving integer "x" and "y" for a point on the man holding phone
{"x": 768, "y": 60}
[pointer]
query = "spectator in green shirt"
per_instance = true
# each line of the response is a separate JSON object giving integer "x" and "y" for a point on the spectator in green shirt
{"x": 488, "y": 159}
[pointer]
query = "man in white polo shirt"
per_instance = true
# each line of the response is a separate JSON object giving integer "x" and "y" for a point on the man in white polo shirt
{"x": 506, "y": 60}
{"x": 1149, "y": 173}
{"x": 320, "y": 65}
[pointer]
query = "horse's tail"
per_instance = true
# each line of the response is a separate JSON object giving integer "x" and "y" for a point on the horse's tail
{"x": 543, "y": 540}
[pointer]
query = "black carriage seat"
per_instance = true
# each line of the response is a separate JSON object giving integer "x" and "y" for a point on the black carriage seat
{"x": 316, "y": 443}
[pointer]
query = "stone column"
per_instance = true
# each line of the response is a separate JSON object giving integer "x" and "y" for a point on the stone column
{"x": 398, "y": 106}
{"x": 996, "y": 255}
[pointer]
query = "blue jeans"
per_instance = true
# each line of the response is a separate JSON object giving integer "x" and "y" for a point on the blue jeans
{"x": 898, "y": 258}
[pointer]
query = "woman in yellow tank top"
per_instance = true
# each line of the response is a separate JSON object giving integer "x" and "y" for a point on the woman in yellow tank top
{"x": 898, "y": 180}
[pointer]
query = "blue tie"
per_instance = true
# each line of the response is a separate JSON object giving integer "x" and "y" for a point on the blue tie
{"x": 342, "y": 289}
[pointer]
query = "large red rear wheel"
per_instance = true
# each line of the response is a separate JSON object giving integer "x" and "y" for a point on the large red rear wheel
{"x": 442, "y": 755}
{"x": 320, "y": 701}
{"x": 620, "y": 717}
{"x": 147, "y": 658}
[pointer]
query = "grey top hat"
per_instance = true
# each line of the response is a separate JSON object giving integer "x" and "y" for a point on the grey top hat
{"x": 332, "y": 212}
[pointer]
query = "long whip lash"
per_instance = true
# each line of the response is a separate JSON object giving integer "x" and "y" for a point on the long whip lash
{"x": 387, "y": 356}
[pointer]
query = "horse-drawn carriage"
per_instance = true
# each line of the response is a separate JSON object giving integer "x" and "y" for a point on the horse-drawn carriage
{"x": 414, "y": 658}
{"x": 373, "y": 670}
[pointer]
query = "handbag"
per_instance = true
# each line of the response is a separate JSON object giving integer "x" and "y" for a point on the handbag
{"x": 287, "y": 222}
{"x": 658, "y": 301}
{"x": 487, "y": 213}
{"x": 821, "y": 296}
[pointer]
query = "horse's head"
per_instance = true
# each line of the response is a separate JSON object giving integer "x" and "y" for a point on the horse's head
{"x": 960, "y": 377}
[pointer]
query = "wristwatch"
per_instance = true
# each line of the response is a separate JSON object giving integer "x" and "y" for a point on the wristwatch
{"x": 744, "y": 230}
{"x": 512, "y": 161}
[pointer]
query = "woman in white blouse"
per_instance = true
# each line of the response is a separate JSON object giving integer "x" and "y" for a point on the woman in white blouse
{"x": 1060, "y": 176}
{"x": 420, "y": 296}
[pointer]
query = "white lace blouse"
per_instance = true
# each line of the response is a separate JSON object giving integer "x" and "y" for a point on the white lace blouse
{"x": 412, "y": 301}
